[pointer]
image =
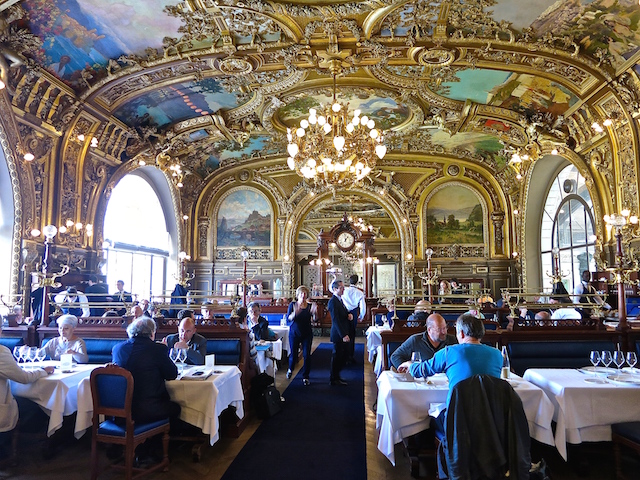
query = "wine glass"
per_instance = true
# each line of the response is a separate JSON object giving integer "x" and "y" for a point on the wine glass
{"x": 618, "y": 359}
{"x": 182, "y": 355}
{"x": 632, "y": 359}
{"x": 605, "y": 357}
{"x": 41, "y": 354}
{"x": 415, "y": 357}
{"x": 24, "y": 353}
{"x": 31, "y": 355}
{"x": 173, "y": 354}
{"x": 16, "y": 353}
{"x": 594, "y": 358}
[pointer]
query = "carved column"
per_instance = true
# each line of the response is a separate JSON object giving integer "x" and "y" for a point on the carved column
{"x": 498, "y": 228}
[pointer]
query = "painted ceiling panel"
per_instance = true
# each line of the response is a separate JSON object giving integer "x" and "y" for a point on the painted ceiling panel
{"x": 175, "y": 103}
{"x": 82, "y": 35}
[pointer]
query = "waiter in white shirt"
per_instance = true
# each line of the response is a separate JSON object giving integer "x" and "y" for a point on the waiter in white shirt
{"x": 353, "y": 299}
{"x": 585, "y": 287}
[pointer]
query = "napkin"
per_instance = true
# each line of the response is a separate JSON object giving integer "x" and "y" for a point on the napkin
{"x": 197, "y": 374}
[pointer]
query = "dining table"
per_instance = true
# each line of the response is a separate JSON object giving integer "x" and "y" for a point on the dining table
{"x": 283, "y": 333}
{"x": 268, "y": 352}
{"x": 405, "y": 404}
{"x": 583, "y": 409}
{"x": 374, "y": 346}
{"x": 202, "y": 398}
{"x": 55, "y": 393}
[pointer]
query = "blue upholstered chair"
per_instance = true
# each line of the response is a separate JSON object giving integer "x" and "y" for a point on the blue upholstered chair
{"x": 112, "y": 392}
{"x": 628, "y": 434}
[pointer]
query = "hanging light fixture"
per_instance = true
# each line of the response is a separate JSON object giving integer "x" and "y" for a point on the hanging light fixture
{"x": 332, "y": 148}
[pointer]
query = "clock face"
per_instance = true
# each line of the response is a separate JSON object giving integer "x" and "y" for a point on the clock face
{"x": 345, "y": 240}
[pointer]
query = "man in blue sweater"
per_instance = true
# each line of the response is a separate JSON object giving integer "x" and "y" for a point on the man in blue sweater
{"x": 462, "y": 361}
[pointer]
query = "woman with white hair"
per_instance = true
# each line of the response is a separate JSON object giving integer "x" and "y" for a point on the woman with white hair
{"x": 67, "y": 342}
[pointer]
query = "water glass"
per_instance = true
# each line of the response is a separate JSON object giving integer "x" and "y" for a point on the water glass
{"x": 16, "y": 353}
{"x": 415, "y": 357}
{"x": 606, "y": 358}
{"x": 632, "y": 359}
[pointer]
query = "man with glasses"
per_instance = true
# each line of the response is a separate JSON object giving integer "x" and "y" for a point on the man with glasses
{"x": 434, "y": 338}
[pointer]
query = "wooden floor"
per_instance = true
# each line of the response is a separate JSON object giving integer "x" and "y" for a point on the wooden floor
{"x": 71, "y": 461}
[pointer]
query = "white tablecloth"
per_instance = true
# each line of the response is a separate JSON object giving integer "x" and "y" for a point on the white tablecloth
{"x": 201, "y": 401}
{"x": 283, "y": 333}
{"x": 56, "y": 393}
{"x": 584, "y": 411}
{"x": 374, "y": 340}
{"x": 266, "y": 355}
{"x": 404, "y": 408}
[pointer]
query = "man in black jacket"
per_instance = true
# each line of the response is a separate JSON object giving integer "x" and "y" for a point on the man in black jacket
{"x": 340, "y": 318}
{"x": 150, "y": 365}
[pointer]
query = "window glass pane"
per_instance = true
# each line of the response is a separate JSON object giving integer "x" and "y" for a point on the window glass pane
{"x": 568, "y": 217}
{"x": 157, "y": 278}
{"x": 547, "y": 270}
{"x": 142, "y": 279}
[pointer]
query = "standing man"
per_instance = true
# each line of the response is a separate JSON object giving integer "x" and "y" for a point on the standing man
{"x": 187, "y": 337}
{"x": 585, "y": 287}
{"x": 435, "y": 338}
{"x": 353, "y": 299}
{"x": 340, "y": 318}
{"x": 121, "y": 296}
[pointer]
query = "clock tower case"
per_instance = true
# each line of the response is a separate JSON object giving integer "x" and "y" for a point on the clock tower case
{"x": 345, "y": 235}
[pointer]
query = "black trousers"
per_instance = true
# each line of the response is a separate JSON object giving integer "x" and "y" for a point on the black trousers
{"x": 353, "y": 324}
{"x": 338, "y": 358}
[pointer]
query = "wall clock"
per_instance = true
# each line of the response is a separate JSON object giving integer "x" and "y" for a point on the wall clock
{"x": 345, "y": 241}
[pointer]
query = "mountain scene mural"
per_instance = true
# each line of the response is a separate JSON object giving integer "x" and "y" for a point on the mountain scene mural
{"x": 454, "y": 215}
{"x": 240, "y": 225}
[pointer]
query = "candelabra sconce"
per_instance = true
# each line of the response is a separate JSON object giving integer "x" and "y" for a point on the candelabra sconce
{"x": 183, "y": 277}
{"x": 507, "y": 298}
{"x": 76, "y": 234}
{"x": 622, "y": 224}
{"x": 429, "y": 277}
{"x": 45, "y": 278}
{"x": 556, "y": 274}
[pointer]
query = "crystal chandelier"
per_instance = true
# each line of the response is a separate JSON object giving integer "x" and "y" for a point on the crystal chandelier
{"x": 332, "y": 149}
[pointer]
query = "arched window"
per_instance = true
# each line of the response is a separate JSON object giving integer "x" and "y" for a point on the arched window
{"x": 140, "y": 234}
{"x": 567, "y": 228}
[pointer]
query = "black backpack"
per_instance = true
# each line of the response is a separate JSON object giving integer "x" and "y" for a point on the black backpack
{"x": 269, "y": 402}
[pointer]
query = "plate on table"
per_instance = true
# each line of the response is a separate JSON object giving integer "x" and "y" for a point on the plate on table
{"x": 438, "y": 381}
{"x": 624, "y": 379}
{"x": 631, "y": 370}
{"x": 598, "y": 370}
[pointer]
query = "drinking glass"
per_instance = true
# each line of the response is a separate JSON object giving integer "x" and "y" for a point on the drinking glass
{"x": 173, "y": 354}
{"x": 632, "y": 359}
{"x": 594, "y": 358}
{"x": 182, "y": 355}
{"x": 41, "y": 354}
{"x": 24, "y": 353}
{"x": 606, "y": 358}
{"x": 618, "y": 359}
{"x": 31, "y": 355}
{"x": 16, "y": 353}
{"x": 415, "y": 357}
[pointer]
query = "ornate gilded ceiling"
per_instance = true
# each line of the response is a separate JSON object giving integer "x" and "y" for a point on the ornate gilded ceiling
{"x": 214, "y": 84}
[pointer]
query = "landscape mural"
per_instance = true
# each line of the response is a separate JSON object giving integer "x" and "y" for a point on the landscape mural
{"x": 384, "y": 111}
{"x": 454, "y": 215}
{"x": 244, "y": 218}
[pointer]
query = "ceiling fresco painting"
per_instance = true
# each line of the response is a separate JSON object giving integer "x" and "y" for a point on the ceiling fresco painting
{"x": 474, "y": 84}
{"x": 384, "y": 111}
{"x": 80, "y": 36}
{"x": 527, "y": 93}
{"x": 459, "y": 88}
{"x": 176, "y": 103}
